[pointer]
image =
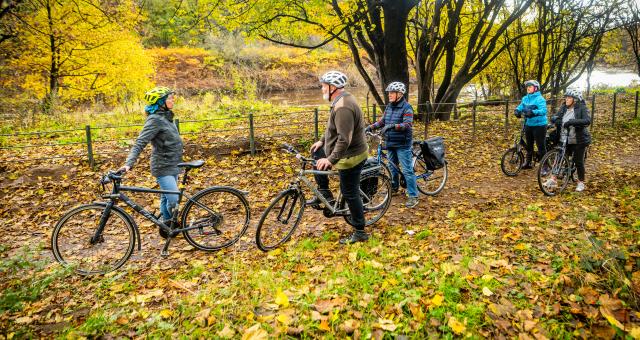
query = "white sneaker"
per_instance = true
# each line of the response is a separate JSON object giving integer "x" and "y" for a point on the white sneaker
{"x": 550, "y": 183}
{"x": 580, "y": 187}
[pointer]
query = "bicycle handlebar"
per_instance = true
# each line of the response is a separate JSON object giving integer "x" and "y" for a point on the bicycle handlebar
{"x": 111, "y": 176}
{"x": 292, "y": 150}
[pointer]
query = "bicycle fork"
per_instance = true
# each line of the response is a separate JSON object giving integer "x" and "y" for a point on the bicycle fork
{"x": 290, "y": 212}
{"x": 97, "y": 236}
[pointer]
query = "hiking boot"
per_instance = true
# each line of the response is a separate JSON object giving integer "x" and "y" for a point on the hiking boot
{"x": 527, "y": 165}
{"x": 315, "y": 201}
{"x": 395, "y": 191}
{"x": 580, "y": 187}
{"x": 411, "y": 202}
{"x": 357, "y": 236}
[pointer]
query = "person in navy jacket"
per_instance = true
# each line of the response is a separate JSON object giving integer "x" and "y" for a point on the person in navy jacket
{"x": 397, "y": 129}
{"x": 534, "y": 109}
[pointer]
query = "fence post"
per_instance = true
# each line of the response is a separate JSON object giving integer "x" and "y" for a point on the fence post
{"x": 92, "y": 163}
{"x": 473, "y": 112}
{"x": 613, "y": 115}
{"x": 506, "y": 118}
{"x": 252, "y": 142}
{"x": 177, "y": 124}
{"x": 593, "y": 111}
{"x": 315, "y": 124}
{"x": 455, "y": 110}
{"x": 635, "y": 114}
{"x": 374, "y": 113}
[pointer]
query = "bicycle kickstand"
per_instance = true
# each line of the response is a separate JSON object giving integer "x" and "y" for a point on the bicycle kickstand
{"x": 165, "y": 250}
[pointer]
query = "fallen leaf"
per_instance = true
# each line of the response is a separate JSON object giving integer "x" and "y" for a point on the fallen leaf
{"x": 282, "y": 299}
{"x": 254, "y": 333}
{"x": 457, "y": 326}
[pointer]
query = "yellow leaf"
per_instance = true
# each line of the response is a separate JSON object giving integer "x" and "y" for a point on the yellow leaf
{"x": 254, "y": 333}
{"x": 284, "y": 319}
{"x": 437, "y": 300}
{"x": 324, "y": 326}
{"x": 457, "y": 326}
{"x": 387, "y": 325}
{"x": 520, "y": 246}
{"x": 609, "y": 316}
{"x": 282, "y": 299}
{"x": 635, "y": 333}
{"x": 166, "y": 313}
{"x": 486, "y": 291}
{"x": 451, "y": 213}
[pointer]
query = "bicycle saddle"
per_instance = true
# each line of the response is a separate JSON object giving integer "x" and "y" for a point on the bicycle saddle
{"x": 192, "y": 164}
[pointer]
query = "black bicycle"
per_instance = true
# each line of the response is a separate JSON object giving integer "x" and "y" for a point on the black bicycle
{"x": 100, "y": 237}
{"x": 556, "y": 169}
{"x": 283, "y": 215}
{"x": 513, "y": 159}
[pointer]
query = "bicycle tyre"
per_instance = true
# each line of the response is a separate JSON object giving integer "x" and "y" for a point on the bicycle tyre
{"x": 511, "y": 157}
{"x": 560, "y": 167}
{"x": 226, "y": 207}
{"x": 75, "y": 227}
{"x": 426, "y": 179}
{"x": 383, "y": 191}
{"x": 264, "y": 232}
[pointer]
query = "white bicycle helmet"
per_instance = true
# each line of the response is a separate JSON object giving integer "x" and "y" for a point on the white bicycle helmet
{"x": 535, "y": 84}
{"x": 576, "y": 94}
{"x": 396, "y": 86}
{"x": 335, "y": 78}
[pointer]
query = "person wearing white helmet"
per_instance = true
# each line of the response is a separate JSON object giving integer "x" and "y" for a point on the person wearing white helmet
{"x": 397, "y": 129}
{"x": 573, "y": 120}
{"x": 343, "y": 146}
{"x": 534, "y": 109}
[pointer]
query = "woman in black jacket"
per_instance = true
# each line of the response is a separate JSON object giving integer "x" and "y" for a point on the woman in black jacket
{"x": 573, "y": 120}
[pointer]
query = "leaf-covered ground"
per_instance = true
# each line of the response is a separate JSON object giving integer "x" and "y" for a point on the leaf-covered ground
{"x": 490, "y": 256}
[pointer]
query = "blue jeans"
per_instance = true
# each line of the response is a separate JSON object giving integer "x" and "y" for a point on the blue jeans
{"x": 168, "y": 202}
{"x": 403, "y": 157}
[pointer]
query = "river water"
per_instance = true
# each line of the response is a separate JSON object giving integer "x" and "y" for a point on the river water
{"x": 313, "y": 97}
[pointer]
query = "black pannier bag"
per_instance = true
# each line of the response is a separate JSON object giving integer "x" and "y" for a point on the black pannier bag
{"x": 433, "y": 152}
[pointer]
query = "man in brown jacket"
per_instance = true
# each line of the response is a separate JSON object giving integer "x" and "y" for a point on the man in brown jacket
{"x": 344, "y": 147}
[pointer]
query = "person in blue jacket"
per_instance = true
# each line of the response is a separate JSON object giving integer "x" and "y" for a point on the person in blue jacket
{"x": 534, "y": 109}
{"x": 397, "y": 129}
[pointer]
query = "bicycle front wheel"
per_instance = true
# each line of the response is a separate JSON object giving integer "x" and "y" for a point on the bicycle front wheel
{"x": 76, "y": 241}
{"x": 430, "y": 182}
{"x": 511, "y": 162}
{"x": 280, "y": 220}
{"x": 375, "y": 191}
{"x": 215, "y": 218}
{"x": 553, "y": 173}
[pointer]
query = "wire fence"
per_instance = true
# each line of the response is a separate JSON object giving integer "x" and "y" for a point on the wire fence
{"x": 251, "y": 132}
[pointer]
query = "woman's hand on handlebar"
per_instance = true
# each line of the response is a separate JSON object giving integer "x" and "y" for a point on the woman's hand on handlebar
{"x": 124, "y": 168}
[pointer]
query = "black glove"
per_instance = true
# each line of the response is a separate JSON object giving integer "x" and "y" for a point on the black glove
{"x": 517, "y": 113}
{"x": 567, "y": 124}
{"x": 387, "y": 128}
{"x": 532, "y": 107}
{"x": 527, "y": 113}
{"x": 368, "y": 129}
{"x": 553, "y": 119}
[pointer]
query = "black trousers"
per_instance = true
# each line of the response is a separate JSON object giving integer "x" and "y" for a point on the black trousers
{"x": 578, "y": 151}
{"x": 349, "y": 187}
{"x": 537, "y": 134}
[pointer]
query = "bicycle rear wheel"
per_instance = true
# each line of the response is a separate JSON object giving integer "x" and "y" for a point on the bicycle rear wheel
{"x": 72, "y": 246}
{"x": 553, "y": 164}
{"x": 375, "y": 191}
{"x": 430, "y": 182}
{"x": 218, "y": 216}
{"x": 511, "y": 162}
{"x": 280, "y": 220}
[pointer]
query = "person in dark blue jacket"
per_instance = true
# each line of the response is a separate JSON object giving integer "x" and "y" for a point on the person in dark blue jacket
{"x": 396, "y": 124}
{"x": 534, "y": 109}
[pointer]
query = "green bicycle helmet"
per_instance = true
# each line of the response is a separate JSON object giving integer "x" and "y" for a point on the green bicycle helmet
{"x": 152, "y": 96}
